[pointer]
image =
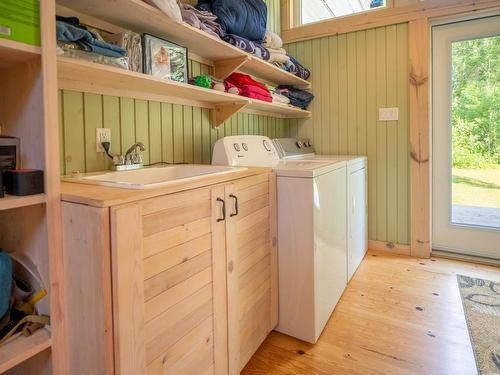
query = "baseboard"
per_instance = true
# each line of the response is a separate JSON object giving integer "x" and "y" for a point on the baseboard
{"x": 390, "y": 247}
{"x": 465, "y": 258}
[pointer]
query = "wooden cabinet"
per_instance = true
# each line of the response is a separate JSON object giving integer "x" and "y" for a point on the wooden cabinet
{"x": 184, "y": 283}
{"x": 251, "y": 267}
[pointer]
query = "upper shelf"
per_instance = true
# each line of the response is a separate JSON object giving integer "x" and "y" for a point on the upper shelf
{"x": 138, "y": 16}
{"x": 13, "y": 53}
{"x": 85, "y": 76}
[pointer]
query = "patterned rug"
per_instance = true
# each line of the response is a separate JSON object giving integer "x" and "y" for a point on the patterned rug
{"x": 481, "y": 299}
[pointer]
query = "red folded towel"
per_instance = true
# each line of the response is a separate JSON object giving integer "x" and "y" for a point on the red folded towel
{"x": 240, "y": 80}
{"x": 249, "y": 89}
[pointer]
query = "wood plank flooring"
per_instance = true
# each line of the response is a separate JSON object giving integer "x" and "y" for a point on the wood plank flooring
{"x": 399, "y": 315}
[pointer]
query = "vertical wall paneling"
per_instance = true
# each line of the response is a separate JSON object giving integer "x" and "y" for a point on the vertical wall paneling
{"x": 358, "y": 73}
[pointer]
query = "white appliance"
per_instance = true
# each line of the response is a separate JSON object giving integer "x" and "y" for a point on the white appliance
{"x": 357, "y": 202}
{"x": 312, "y": 243}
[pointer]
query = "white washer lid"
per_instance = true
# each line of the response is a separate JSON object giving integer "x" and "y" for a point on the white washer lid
{"x": 301, "y": 168}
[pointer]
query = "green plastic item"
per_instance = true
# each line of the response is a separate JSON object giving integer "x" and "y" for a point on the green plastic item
{"x": 203, "y": 81}
{"x": 20, "y": 21}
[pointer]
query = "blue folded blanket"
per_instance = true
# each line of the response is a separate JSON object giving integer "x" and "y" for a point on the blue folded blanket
{"x": 245, "y": 18}
{"x": 248, "y": 46}
{"x": 70, "y": 33}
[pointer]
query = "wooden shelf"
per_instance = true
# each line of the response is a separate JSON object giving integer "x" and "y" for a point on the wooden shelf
{"x": 13, "y": 53}
{"x": 21, "y": 348}
{"x": 9, "y": 201}
{"x": 138, "y": 16}
{"x": 85, "y": 76}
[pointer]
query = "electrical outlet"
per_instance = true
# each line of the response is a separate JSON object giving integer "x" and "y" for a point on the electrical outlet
{"x": 388, "y": 114}
{"x": 102, "y": 135}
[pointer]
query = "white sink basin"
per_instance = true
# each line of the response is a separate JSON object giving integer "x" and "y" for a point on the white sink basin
{"x": 148, "y": 178}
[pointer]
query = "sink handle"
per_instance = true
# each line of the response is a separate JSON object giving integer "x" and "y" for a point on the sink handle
{"x": 236, "y": 208}
{"x": 223, "y": 209}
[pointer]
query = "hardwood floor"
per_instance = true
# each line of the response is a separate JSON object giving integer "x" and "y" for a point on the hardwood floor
{"x": 399, "y": 315}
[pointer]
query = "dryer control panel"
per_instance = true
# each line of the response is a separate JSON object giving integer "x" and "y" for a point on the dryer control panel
{"x": 293, "y": 147}
{"x": 242, "y": 150}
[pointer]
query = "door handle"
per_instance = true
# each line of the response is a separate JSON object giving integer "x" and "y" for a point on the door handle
{"x": 236, "y": 208}
{"x": 223, "y": 209}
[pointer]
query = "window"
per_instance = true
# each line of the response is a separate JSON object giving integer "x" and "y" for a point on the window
{"x": 320, "y": 10}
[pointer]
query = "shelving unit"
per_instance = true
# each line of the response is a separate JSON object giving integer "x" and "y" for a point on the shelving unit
{"x": 10, "y": 202}
{"x": 20, "y": 349}
{"x": 85, "y": 76}
{"x": 138, "y": 16}
{"x": 31, "y": 226}
{"x": 13, "y": 53}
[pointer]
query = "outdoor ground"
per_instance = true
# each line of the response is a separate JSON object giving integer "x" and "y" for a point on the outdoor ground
{"x": 476, "y": 197}
{"x": 476, "y": 187}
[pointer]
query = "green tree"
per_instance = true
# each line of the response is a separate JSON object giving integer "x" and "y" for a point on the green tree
{"x": 476, "y": 103}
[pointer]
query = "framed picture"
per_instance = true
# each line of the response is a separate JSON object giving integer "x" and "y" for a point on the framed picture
{"x": 165, "y": 60}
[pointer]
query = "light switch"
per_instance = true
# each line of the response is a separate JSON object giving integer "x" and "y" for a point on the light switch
{"x": 388, "y": 114}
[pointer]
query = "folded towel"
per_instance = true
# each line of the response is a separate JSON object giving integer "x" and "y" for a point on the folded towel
{"x": 280, "y": 99}
{"x": 248, "y": 46}
{"x": 240, "y": 80}
{"x": 278, "y": 55}
{"x": 253, "y": 95}
{"x": 272, "y": 40}
{"x": 70, "y": 33}
{"x": 245, "y": 90}
{"x": 298, "y": 98}
{"x": 203, "y": 20}
{"x": 295, "y": 67}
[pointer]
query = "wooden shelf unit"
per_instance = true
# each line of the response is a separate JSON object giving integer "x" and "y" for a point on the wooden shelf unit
{"x": 78, "y": 75}
{"x": 30, "y": 226}
{"x": 12, "y": 53}
{"x": 138, "y": 16}
{"x": 10, "y": 202}
{"x": 20, "y": 349}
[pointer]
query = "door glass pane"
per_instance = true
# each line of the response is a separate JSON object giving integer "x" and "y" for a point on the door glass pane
{"x": 476, "y": 132}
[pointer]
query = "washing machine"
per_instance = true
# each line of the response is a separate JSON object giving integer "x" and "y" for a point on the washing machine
{"x": 357, "y": 199}
{"x": 312, "y": 228}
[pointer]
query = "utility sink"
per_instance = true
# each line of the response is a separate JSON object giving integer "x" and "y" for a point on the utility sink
{"x": 154, "y": 177}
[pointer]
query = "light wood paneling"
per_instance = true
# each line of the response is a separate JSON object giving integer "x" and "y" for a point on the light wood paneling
{"x": 353, "y": 75}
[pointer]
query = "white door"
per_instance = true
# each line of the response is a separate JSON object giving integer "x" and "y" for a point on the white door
{"x": 466, "y": 137}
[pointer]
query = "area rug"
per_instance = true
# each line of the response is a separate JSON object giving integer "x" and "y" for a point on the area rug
{"x": 481, "y": 300}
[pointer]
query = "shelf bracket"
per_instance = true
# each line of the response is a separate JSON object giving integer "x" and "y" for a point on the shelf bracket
{"x": 224, "y": 68}
{"x": 222, "y": 112}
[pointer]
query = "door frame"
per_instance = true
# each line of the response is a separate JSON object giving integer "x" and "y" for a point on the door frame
{"x": 447, "y": 236}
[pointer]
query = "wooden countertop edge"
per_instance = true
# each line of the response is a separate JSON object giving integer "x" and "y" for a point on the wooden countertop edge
{"x": 104, "y": 196}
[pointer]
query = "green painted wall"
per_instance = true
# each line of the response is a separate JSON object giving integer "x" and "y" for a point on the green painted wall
{"x": 353, "y": 75}
{"x": 171, "y": 133}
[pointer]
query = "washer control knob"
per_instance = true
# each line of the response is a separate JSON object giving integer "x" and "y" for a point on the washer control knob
{"x": 237, "y": 147}
{"x": 267, "y": 146}
{"x": 300, "y": 144}
{"x": 245, "y": 146}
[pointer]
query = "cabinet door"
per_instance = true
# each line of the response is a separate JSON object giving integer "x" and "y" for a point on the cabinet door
{"x": 170, "y": 285}
{"x": 251, "y": 266}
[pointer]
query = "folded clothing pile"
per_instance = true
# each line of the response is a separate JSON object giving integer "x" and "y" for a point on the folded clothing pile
{"x": 245, "y": 18}
{"x": 70, "y": 30}
{"x": 201, "y": 19}
{"x": 248, "y": 46}
{"x": 298, "y": 98}
{"x": 249, "y": 87}
{"x": 77, "y": 41}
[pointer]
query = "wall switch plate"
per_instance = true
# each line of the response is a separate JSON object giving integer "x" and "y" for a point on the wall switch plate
{"x": 388, "y": 114}
{"x": 102, "y": 135}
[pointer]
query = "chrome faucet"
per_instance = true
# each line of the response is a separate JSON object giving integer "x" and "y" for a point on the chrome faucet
{"x": 131, "y": 160}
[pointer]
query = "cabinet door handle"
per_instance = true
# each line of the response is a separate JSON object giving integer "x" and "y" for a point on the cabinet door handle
{"x": 223, "y": 209}
{"x": 236, "y": 208}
